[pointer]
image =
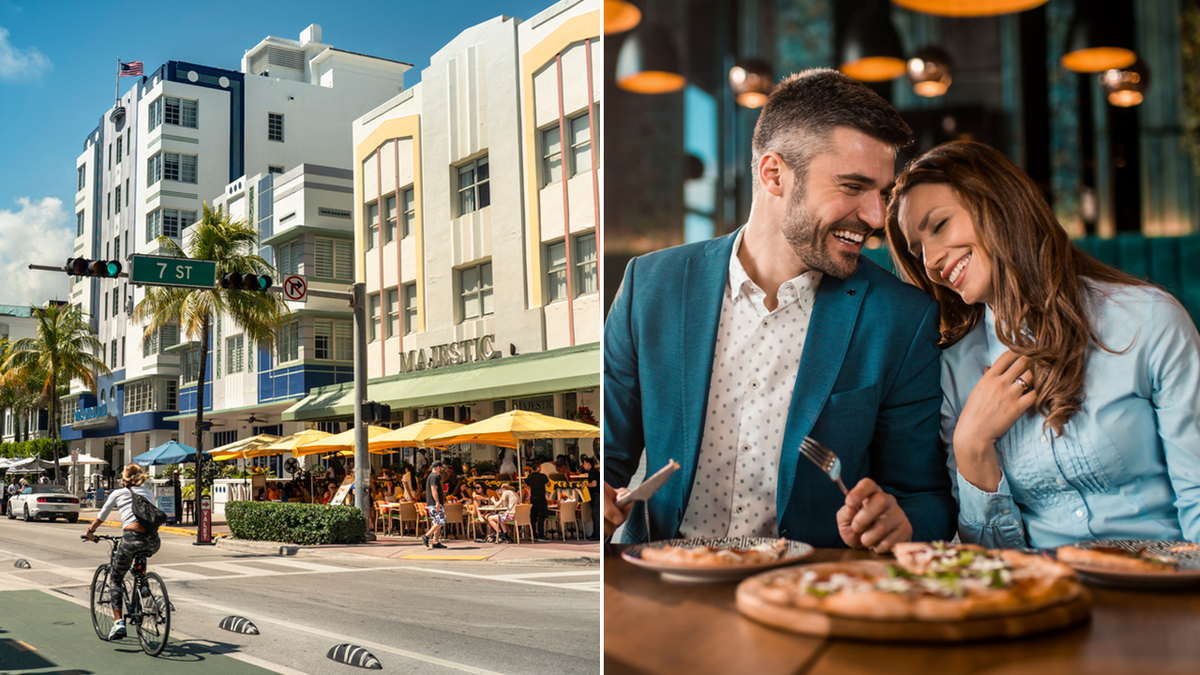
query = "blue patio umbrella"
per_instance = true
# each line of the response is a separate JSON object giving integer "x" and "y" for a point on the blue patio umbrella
{"x": 171, "y": 452}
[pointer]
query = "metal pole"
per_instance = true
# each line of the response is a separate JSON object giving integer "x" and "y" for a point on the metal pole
{"x": 362, "y": 463}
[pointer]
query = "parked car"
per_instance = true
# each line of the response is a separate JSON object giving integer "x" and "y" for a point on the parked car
{"x": 44, "y": 501}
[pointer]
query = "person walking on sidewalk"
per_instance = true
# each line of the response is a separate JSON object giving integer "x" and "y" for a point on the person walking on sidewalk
{"x": 593, "y": 486}
{"x": 536, "y": 480}
{"x": 435, "y": 501}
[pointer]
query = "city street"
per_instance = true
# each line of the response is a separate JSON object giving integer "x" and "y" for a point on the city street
{"x": 451, "y": 616}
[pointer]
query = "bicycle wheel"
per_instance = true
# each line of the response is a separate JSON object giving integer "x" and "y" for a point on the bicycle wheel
{"x": 155, "y": 625}
{"x": 102, "y": 615}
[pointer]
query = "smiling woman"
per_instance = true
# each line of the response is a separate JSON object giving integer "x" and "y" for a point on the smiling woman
{"x": 1070, "y": 387}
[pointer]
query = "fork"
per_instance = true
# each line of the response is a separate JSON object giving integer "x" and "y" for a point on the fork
{"x": 825, "y": 460}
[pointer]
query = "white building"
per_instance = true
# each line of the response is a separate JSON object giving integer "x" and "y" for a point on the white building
{"x": 476, "y": 203}
{"x": 17, "y": 322}
{"x": 178, "y": 138}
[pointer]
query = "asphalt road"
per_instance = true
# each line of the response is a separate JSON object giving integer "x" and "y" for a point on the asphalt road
{"x": 414, "y": 616}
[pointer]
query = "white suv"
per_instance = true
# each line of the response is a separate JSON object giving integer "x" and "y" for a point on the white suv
{"x": 44, "y": 501}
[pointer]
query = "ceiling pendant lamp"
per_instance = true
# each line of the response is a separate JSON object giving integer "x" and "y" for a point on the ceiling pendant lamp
{"x": 648, "y": 62}
{"x": 752, "y": 82}
{"x": 1095, "y": 41}
{"x": 871, "y": 50}
{"x": 965, "y": 8}
{"x": 1125, "y": 87}
{"x": 620, "y": 16}
{"x": 929, "y": 71}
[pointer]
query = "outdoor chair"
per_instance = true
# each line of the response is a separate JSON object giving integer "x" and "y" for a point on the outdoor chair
{"x": 585, "y": 517}
{"x": 566, "y": 516}
{"x": 521, "y": 518}
{"x": 454, "y": 518}
{"x": 408, "y": 513}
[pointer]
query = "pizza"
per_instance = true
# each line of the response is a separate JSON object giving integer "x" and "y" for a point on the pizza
{"x": 1118, "y": 559}
{"x": 714, "y": 556}
{"x": 930, "y": 582}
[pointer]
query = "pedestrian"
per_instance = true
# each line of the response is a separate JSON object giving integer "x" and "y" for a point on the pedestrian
{"x": 593, "y": 486}
{"x": 177, "y": 495}
{"x": 537, "y": 481}
{"x": 435, "y": 500}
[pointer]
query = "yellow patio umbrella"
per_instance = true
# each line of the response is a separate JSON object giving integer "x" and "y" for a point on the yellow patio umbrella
{"x": 290, "y": 443}
{"x": 508, "y": 429}
{"x": 413, "y": 435}
{"x": 237, "y": 449}
{"x": 340, "y": 442}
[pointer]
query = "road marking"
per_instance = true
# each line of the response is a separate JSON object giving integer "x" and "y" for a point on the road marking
{"x": 537, "y": 575}
{"x": 420, "y": 556}
{"x": 505, "y": 578}
{"x": 373, "y": 646}
{"x": 24, "y": 646}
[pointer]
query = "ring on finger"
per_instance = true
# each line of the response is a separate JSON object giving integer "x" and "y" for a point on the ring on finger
{"x": 1024, "y": 385}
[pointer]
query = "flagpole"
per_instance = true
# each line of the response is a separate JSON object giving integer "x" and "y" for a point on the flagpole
{"x": 117, "y": 86}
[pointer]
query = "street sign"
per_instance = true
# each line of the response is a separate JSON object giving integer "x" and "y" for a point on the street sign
{"x": 154, "y": 270}
{"x": 295, "y": 288}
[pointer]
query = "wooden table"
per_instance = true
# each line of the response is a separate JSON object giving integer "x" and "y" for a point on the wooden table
{"x": 653, "y": 627}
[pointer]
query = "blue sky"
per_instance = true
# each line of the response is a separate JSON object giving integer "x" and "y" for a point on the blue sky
{"x": 57, "y": 76}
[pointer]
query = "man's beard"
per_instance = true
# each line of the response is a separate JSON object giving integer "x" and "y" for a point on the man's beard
{"x": 810, "y": 239}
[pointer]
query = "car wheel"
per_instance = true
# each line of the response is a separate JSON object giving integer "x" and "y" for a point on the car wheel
{"x": 73, "y": 518}
{"x": 27, "y": 518}
{"x": 12, "y": 515}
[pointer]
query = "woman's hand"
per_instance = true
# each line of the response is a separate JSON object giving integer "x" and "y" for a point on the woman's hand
{"x": 1003, "y": 394}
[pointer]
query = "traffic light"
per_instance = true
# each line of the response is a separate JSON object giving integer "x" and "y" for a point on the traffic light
{"x": 377, "y": 413}
{"x": 82, "y": 267}
{"x": 246, "y": 282}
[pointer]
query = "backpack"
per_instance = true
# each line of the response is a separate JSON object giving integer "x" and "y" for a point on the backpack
{"x": 149, "y": 515}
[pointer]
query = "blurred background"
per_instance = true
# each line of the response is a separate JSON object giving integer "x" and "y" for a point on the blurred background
{"x": 1097, "y": 100}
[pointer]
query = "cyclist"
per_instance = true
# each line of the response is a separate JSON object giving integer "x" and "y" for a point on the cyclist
{"x": 135, "y": 540}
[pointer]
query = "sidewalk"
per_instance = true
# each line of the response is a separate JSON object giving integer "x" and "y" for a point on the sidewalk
{"x": 397, "y": 548}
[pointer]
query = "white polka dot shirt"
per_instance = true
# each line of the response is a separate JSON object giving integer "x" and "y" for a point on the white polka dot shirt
{"x": 755, "y": 362}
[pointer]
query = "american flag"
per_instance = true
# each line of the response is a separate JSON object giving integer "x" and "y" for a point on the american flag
{"x": 131, "y": 69}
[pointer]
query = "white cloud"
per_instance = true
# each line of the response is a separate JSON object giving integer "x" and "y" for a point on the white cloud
{"x": 36, "y": 233}
{"x": 18, "y": 65}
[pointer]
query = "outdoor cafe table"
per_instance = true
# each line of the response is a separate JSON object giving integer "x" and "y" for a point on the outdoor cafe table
{"x": 653, "y": 627}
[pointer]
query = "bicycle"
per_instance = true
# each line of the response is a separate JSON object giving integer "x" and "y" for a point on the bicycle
{"x": 149, "y": 608}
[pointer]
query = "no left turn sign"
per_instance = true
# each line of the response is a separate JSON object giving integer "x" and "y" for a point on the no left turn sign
{"x": 295, "y": 288}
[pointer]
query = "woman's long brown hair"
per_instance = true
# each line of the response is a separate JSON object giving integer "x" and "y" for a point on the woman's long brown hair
{"x": 1037, "y": 273}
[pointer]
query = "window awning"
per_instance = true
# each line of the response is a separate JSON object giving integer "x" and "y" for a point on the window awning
{"x": 550, "y": 372}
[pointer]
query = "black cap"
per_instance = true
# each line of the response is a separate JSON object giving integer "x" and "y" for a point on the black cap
{"x": 436, "y": 464}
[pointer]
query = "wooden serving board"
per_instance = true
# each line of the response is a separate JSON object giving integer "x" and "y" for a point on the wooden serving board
{"x": 812, "y": 622}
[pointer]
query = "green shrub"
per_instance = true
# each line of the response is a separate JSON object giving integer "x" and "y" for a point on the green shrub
{"x": 304, "y": 524}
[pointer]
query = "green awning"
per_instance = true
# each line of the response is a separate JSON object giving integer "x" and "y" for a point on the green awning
{"x": 550, "y": 372}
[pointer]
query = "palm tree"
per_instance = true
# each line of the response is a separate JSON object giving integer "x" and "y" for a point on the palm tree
{"x": 231, "y": 244}
{"x": 64, "y": 349}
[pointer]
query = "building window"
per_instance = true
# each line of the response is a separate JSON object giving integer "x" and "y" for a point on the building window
{"x": 474, "y": 192}
{"x": 389, "y": 218}
{"x": 476, "y": 285}
{"x": 274, "y": 127}
{"x": 118, "y": 199}
{"x": 120, "y": 144}
{"x": 551, "y": 155}
{"x": 410, "y": 309}
{"x": 410, "y": 212}
{"x": 82, "y": 177}
{"x": 108, "y": 208}
{"x": 116, "y": 302}
{"x": 235, "y": 354}
{"x": 372, "y": 225}
{"x": 122, "y": 351}
{"x": 333, "y": 340}
{"x": 373, "y": 313}
{"x": 159, "y": 340}
{"x": 289, "y": 257}
{"x": 172, "y": 395}
{"x": 104, "y": 309}
{"x": 586, "y": 278}
{"x": 221, "y": 438}
{"x": 289, "y": 342}
{"x": 154, "y": 169}
{"x": 191, "y": 366}
{"x": 179, "y": 167}
{"x": 79, "y": 224}
{"x": 139, "y": 397}
{"x": 581, "y": 144}
{"x": 113, "y": 359}
{"x": 274, "y": 168}
{"x": 171, "y": 110}
{"x": 126, "y": 192}
{"x": 167, "y": 223}
{"x": 127, "y": 133}
{"x": 110, "y": 156}
{"x": 556, "y": 271}
{"x": 334, "y": 259}
{"x": 393, "y": 312}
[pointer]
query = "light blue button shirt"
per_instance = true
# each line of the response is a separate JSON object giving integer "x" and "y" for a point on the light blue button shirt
{"x": 1127, "y": 465}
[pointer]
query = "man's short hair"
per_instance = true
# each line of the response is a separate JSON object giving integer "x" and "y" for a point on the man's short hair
{"x": 436, "y": 464}
{"x": 805, "y": 108}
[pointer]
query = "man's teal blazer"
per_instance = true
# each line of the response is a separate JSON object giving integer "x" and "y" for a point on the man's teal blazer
{"x": 868, "y": 388}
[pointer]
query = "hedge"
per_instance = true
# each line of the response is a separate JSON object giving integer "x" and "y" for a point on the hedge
{"x": 304, "y": 524}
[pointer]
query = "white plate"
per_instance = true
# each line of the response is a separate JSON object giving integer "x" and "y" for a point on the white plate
{"x": 795, "y": 551}
{"x": 1187, "y": 574}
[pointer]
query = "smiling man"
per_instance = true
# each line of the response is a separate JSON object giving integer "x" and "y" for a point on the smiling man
{"x": 724, "y": 355}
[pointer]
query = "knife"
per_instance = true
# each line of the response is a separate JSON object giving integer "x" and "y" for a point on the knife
{"x": 649, "y": 486}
